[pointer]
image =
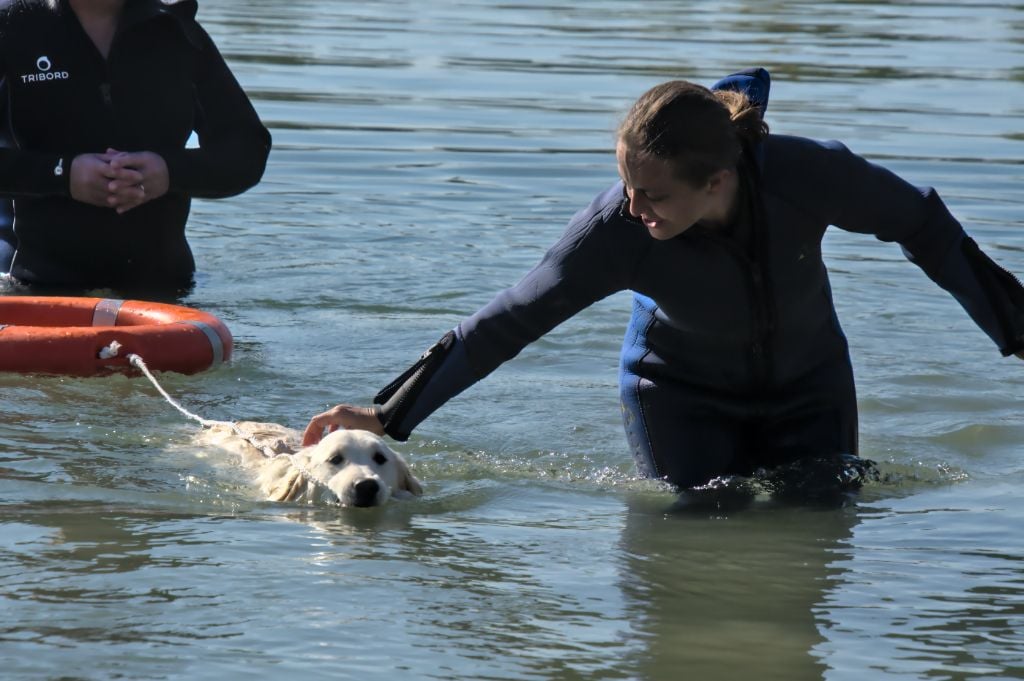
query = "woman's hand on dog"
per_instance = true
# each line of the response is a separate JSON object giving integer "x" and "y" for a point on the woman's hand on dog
{"x": 341, "y": 416}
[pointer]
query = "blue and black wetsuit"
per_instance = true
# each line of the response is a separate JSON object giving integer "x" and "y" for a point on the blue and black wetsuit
{"x": 734, "y": 358}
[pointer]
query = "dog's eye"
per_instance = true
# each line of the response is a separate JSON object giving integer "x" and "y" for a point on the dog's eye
{"x": 380, "y": 459}
{"x": 336, "y": 460}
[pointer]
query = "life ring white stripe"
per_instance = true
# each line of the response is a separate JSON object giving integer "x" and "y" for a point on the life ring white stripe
{"x": 216, "y": 344}
{"x": 105, "y": 312}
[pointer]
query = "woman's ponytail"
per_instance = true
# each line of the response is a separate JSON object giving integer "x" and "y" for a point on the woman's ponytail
{"x": 745, "y": 115}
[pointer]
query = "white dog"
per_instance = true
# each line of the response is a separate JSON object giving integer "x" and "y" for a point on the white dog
{"x": 348, "y": 467}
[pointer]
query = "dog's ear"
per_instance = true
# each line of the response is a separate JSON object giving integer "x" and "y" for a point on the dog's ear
{"x": 289, "y": 487}
{"x": 406, "y": 480}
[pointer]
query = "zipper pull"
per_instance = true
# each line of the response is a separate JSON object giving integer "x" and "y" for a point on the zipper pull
{"x": 105, "y": 92}
{"x": 58, "y": 169}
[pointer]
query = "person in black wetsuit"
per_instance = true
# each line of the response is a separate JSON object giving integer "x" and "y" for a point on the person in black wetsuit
{"x": 101, "y": 99}
{"x": 734, "y": 359}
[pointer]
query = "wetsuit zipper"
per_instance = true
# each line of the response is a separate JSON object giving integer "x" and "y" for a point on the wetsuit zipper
{"x": 761, "y": 284}
{"x": 761, "y": 343}
{"x": 753, "y": 259}
{"x": 761, "y": 310}
{"x": 103, "y": 62}
{"x": 105, "y": 86}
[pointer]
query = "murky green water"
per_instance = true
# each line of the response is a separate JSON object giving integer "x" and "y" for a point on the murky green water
{"x": 426, "y": 154}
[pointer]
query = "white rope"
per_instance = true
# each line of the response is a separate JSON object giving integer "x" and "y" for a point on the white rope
{"x": 137, "y": 362}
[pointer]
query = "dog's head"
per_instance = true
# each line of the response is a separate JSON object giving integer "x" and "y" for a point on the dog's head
{"x": 355, "y": 465}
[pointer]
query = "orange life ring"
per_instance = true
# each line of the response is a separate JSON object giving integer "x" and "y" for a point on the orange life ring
{"x": 66, "y": 335}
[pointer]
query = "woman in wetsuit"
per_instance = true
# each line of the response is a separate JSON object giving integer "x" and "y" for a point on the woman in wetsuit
{"x": 734, "y": 359}
{"x": 101, "y": 99}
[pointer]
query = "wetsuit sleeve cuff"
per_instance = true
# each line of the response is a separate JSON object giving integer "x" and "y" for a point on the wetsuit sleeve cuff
{"x": 442, "y": 372}
{"x": 991, "y": 295}
{"x": 175, "y": 159}
{"x": 35, "y": 174}
{"x": 62, "y": 171}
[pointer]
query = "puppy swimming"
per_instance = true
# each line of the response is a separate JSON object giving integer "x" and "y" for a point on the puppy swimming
{"x": 347, "y": 467}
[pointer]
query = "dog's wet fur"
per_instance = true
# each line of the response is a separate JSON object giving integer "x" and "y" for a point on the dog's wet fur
{"x": 347, "y": 467}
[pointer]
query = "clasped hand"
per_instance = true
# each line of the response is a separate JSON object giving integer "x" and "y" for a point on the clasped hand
{"x": 119, "y": 180}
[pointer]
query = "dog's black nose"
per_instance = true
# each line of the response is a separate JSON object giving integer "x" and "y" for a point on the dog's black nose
{"x": 366, "y": 492}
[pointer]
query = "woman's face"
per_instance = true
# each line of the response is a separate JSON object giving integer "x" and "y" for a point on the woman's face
{"x": 665, "y": 204}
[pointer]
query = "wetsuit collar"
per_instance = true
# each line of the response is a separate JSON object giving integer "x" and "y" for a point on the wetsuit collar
{"x": 139, "y": 11}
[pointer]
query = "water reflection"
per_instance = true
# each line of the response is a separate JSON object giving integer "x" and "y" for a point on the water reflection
{"x": 729, "y": 595}
{"x": 719, "y": 595}
{"x": 931, "y": 582}
{"x": 77, "y": 573}
{"x": 480, "y": 587}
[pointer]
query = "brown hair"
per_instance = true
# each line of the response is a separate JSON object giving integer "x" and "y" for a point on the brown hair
{"x": 696, "y": 130}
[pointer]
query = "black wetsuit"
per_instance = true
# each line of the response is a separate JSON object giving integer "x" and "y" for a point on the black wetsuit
{"x": 734, "y": 358}
{"x": 164, "y": 78}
